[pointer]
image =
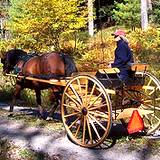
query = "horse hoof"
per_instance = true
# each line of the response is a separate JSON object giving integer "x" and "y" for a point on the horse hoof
{"x": 49, "y": 119}
{"x": 10, "y": 115}
{"x": 42, "y": 117}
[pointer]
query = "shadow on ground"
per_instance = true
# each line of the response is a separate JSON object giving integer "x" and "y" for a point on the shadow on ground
{"x": 44, "y": 143}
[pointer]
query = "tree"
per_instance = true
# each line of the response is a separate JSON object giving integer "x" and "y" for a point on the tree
{"x": 40, "y": 23}
{"x": 90, "y": 18}
{"x": 127, "y": 13}
{"x": 3, "y": 16}
{"x": 155, "y": 12}
{"x": 144, "y": 14}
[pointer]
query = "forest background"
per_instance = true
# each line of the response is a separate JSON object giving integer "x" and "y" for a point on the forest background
{"x": 59, "y": 25}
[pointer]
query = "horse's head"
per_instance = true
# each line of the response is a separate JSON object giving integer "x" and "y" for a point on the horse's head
{"x": 6, "y": 63}
{"x": 10, "y": 59}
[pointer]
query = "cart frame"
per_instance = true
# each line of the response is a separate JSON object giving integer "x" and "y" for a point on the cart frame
{"x": 90, "y": 105}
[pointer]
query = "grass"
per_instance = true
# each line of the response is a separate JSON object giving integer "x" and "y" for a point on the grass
{"x": 28, "y": 154}
{"x": 4, "y": 148}
{"x": 30, "y": 120}
{"x": 134, "y": 142}
{"x": 9, "y": 151}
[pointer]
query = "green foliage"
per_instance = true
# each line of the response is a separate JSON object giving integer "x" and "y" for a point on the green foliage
{"x": 4, "y": 148}
{"x": 26, "y": 154}
{"x": 155, "y": 12}
{"x": 127, "y": 13}
{"x": 106, "y": 10}
{"x": 74, "y": 43}
{"x": 38, "y": 24}
{"x": 99, "y": 51}
{"x": 2, "y": 47}
{"x": 145, "y": 46}
{"x": 3, "y": 8}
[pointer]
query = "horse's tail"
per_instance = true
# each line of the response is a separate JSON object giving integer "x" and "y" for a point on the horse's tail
{"x": 70, "y": 66}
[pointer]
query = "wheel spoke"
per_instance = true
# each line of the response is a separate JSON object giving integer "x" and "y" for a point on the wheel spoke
{"x": 76, "y": 94}
{"x": 148, "y": 106}
{"x": 72, "y": 99}
{"x": 97, "y": 122}
{"x": 157, "y": 99}
{"x": 97, "y": 107}
{"x": 94, "y": 128}
{"x": 150, "y": 119}
{"x": 89, "y": 130}
{"x": 72, "y": 114}
{"x": 99, "y": 114}
{"x": 156, "y": 118}
{"x": 93, "y": 88}
{"x": 129, "y": 95}
{"x": 84, "y": 129}
{"x": 95, "y": 100}
{"x": 73, "y": 122}
{"x": 147, "y": 101}
{"x": 79, "y": 86}
{"x": 153, "y": 91}
{"x": 86, "y": 93}
{"x": 78, "y": 129}
{"x": 148, "y": 84}
{"x": 73, "y": 107}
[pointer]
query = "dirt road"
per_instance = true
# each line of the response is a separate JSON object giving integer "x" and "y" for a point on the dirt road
{"x": 58, "y": 147}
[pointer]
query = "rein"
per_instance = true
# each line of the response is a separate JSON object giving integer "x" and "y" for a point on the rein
{"x": 48, "y": 76}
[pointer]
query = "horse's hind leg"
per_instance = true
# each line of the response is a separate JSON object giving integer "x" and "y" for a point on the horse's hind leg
{"x": 15, "y": 96}
{"x": 56, "y": 99}
{"x": 38, "y": 100}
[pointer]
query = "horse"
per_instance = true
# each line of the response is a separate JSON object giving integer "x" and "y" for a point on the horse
{"x": 46, "y": 66}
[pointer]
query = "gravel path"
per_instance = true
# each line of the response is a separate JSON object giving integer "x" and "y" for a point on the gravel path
{"x": 59, "y": 147}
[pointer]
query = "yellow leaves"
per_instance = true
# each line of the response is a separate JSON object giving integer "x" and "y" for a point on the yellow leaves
{"x": 45, "y": 20}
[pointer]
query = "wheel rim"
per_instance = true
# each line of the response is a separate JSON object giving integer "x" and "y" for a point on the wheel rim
{"x": 151, "y": 102}
{"x": 86, "y": 111}
{"x": 147, "y": 98}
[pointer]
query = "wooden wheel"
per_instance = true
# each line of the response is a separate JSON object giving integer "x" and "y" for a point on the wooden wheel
{"x": 147, "y": 99}
{"x": 86, "y": 111}
{"x": 151, "y": 102}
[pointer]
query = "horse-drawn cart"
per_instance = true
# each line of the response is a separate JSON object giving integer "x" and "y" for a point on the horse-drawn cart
{"x": 92, "y": 102}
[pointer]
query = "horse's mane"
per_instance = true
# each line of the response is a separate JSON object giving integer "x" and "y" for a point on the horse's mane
{"x": 14, "y": 55}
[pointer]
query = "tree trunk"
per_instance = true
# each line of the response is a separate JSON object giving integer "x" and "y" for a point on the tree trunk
{"x": 90, "y": 18}
{"x": 149, "y": 4}
{"x": 144, "y": 15}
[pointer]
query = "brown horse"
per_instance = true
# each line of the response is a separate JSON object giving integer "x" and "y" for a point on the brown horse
{"x": 46, "y": 66}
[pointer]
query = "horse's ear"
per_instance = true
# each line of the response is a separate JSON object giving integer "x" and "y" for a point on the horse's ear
{"x": 2, "y": 54}
{"x": 2, "y": 57}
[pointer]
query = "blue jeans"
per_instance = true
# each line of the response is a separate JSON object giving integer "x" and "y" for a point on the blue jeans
{"x": 124, "y": 75}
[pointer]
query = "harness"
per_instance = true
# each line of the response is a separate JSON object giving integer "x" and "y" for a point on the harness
{"x": 24, "y": 58}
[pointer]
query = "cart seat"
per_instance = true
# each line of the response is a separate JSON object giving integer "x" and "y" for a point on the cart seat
{"x": 137, "y": 79}
{"x": 109, "y": 71}
{"x": 139, "y": 67}
{"x": 109, "y": 77}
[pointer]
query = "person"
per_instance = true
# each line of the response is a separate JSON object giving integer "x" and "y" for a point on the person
{"x": 123, "y": 55}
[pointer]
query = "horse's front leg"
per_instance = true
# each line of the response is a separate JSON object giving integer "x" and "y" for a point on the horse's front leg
{"x": 38, "y": 101}
{"x": 15, "y": 96}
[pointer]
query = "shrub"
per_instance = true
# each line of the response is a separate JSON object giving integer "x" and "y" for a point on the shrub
{"x": 146, "y": 47}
